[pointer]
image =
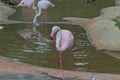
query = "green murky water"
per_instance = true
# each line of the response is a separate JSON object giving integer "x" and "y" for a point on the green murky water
{"x": 82, "y": 56}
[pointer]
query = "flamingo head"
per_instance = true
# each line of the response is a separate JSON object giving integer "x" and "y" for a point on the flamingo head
{"x": 55, "y": 29}
{"x": 50, "y": 5}
{"x": 27, "y": 3}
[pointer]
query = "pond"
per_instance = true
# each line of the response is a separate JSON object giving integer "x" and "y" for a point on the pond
{"x": 81, "y": 57}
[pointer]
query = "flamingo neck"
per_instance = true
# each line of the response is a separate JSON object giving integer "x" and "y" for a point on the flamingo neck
{"x": 38, "y": 14}
{"x": 61, "y": 65}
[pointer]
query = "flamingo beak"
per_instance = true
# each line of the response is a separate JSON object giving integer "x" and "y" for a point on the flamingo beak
{"x": 51, "y": 38}
{"x": 52, "y": 34}
{"x": 51, "y": 5}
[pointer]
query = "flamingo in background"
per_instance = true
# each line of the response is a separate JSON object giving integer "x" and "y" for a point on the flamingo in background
{"x": 42, "y": 4}
{"x": 64, "y": 41}
{"x": 27, "y": 3}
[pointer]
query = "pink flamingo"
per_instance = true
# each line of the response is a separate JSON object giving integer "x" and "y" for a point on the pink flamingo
{"x": 42, "y": 4}
{"x": 27, "y": 3}
{"x": 64, "y": 41}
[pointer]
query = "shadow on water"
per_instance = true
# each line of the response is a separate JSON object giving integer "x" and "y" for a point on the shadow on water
{"x": 82, "y": 56}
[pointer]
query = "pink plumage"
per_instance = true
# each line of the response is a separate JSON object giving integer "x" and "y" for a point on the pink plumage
{"x": 44, "y": 4}
{"x": 27, "y": 3}
{"x": 64, "y": 41}
{"x": 64, "y": 38}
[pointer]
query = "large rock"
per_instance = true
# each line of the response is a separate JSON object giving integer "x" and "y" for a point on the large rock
{"x": 5, "y": 12}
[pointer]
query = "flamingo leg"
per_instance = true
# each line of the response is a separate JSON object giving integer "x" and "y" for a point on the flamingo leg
{"x": 44, "y": 20}
{"x": 28, "y": 16}
{"x": 61, "y": 66}
{"x": 44, "y": 17}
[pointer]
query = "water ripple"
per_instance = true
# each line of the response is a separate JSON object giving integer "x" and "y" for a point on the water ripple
{"x": 80, "y": 63}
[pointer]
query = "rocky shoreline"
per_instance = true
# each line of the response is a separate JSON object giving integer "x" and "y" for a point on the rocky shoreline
{"x": 102, "y": 31}
{"x": 11, "y": 69}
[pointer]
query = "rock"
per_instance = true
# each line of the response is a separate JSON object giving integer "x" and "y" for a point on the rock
{"x": 5, "y": 12}
{"x": 1, "y": 27}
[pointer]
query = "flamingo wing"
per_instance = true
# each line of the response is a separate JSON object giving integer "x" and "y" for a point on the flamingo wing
{"x": 66, "y": 41}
